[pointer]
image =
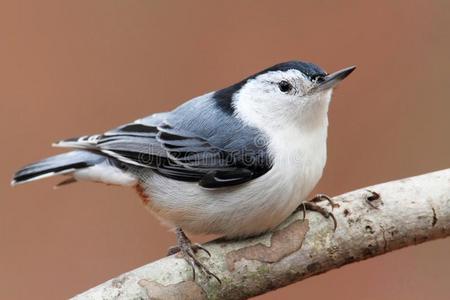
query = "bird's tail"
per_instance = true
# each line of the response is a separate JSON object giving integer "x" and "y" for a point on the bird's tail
{"x": 57, "y": 165}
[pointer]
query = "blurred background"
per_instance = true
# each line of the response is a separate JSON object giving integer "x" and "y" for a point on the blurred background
{"x": 69, "y": 68}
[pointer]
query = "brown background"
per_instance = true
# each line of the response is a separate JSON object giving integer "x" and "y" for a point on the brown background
{"x": 69, "y": 68}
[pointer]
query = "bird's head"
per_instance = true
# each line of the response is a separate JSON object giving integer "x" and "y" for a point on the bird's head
{"x": 286, "y": 94}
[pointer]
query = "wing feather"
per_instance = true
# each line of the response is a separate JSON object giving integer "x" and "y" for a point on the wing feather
{"x": 180, "y": 146}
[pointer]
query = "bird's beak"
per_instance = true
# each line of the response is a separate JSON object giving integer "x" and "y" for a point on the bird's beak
{"x": 331, "y": 80}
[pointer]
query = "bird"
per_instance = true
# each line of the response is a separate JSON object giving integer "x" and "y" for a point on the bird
{"x": 234, "y": 162}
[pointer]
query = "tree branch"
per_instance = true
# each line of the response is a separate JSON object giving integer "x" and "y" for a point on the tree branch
{"x": 409, "y": 211}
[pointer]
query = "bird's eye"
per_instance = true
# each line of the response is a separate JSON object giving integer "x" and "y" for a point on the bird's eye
{"x": 284, "y": 86}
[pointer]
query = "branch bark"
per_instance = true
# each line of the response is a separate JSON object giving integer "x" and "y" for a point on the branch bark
{"x": 409, "y": 211}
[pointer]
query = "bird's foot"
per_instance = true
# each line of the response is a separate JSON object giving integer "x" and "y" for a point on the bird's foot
{"x": 324, "y": 197}
{"x": 189, "y": 250}
{"x": 312, "y": 206}
{"x": 194, "y": 247}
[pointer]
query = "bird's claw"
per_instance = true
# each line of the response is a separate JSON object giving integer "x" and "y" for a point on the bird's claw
{"x": 189, "y": 250}
{"x": 312, "y": 206}
{"x": 324, "y": 197}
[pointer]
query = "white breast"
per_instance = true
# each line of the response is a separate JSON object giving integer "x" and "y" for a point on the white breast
{"x": 298, "y": 148}
{"x": 250, "y": 208}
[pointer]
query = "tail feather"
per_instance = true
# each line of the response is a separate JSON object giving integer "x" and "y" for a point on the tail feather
{"x": 57, "y": 165}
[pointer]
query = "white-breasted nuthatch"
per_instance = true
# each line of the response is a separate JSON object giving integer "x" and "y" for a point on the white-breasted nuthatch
{"x": 234, "y": 162}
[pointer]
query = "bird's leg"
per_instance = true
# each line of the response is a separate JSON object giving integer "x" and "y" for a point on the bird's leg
{"x": 312, "y": 206}
{"x": 189, "y": 250}
{"x": 183, "y": 239}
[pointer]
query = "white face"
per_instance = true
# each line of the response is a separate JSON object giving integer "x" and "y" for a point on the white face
{"x": 280, "y": 99}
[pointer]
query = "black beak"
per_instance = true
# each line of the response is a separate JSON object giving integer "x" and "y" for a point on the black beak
{"x": 331, "y": 80}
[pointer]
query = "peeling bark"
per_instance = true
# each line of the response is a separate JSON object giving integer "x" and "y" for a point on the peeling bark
{"x": 282, "y": 243}
{"x": 371, "y": 221}
{"x": 188, "y": 290}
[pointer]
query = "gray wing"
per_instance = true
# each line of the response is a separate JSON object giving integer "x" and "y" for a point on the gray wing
{"x": 196, "y": 142}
